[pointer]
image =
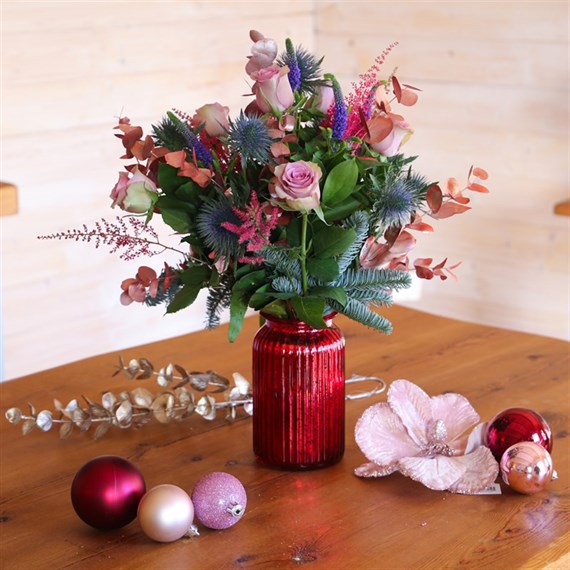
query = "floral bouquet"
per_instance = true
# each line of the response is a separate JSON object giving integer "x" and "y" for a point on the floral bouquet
{"x": 299, "y": 206}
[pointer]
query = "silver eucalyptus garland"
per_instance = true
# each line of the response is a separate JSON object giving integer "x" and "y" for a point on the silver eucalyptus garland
{"x": 179, "y": 400}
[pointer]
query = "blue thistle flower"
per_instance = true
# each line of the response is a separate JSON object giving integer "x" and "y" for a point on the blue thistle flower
{"x": 192, "y": 141}
{"x": 209, "y": 227}
{"x": 340, "y": 113}
{"x": 304, "y": 68}
{"x": 394, "y": 203}
{"x": 250, "y": 138}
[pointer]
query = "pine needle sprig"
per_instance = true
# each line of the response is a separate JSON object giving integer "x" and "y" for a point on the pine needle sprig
{"x": 131, "y": 238}
{"x": 219, "y": 298}
{"x": 359, "y": 222}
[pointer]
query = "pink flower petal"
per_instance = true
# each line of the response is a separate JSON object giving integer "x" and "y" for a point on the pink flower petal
{"x": 413, "y": 406}
{"x": 456, "y": 413}
{"x": 481, "y": 470}
{"x": 438, "y": 472}
{"x": 375, "y": 470}
{"x": 477, "y": 438}
{"x": 382, "y": 437}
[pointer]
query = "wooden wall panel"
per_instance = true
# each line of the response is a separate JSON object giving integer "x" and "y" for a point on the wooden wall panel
{"x": 494, "y": 77}
{"x": 69, "y": 69}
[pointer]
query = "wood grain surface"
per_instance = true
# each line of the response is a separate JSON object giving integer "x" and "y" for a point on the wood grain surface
{"x": 325, "y": 519}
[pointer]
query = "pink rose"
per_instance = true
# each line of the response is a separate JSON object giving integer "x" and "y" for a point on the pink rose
{"x": 215, "y": 118}
{"x": 388, "y": 133}
{"x": 324, "y": 98}
{"x": 263, "y": 53}
{"x": 272, "y": 88}
{"x": 297, "y": 184}
{"x": 134, "y": 194}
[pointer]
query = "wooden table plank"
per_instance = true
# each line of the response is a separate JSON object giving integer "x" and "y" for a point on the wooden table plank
{"x": 328, "y": 518}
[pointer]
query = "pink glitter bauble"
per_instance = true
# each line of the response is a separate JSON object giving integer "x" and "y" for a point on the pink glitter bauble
{"x": 219, "y": 500}
{"x": 106, "y": 492}
{"x": 515, "y": 425}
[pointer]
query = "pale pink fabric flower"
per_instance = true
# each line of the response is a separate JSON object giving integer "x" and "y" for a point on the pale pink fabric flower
{"x": 424, "y": 439}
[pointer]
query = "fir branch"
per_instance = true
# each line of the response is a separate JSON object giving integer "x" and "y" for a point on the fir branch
{"x": 359, "y": 222}
{"x": 219, "y": 298}
{"x": 360, "y": 313}
{"x": 379, "y": 278}
{"x": 287, "y": 285}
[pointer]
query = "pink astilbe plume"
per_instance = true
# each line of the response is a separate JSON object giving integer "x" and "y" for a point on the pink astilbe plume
{"x": 132, "y": 238}
{"x": 424, "y": 439}
{"x": 361, "y": 99}
{"x": 257, "y": 223}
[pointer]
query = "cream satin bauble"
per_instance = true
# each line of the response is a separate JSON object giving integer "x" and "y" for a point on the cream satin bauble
{"x": 166, "y": 513}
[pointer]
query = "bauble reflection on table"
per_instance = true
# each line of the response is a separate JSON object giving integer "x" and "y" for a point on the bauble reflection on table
{"x": 106, "y": 492}
{"x": 526, "y": 467}
{"x": 166, "y": 513}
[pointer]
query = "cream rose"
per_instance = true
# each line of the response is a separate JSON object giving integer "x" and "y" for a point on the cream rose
{"x": 134, "y": 194}
{"x": 214, "y": 117}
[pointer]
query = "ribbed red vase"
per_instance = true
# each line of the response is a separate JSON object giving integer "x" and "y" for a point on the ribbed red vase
{"x": 298, "y": 394}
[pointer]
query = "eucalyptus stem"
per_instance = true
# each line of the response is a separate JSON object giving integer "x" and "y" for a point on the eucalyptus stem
{"x": 304, "y": 253}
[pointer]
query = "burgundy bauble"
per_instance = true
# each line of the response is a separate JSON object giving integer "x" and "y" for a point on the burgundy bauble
{"x": 515, "y": 425}
{"x": 219, "y": 500}
{"x": 526, "y": 467}
{"x": 106, "y": 492}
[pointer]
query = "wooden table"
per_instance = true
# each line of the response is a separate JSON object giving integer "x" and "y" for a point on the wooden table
{"x": 326, "y": 519}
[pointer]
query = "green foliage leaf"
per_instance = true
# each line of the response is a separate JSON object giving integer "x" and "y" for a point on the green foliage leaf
{"x": 323, "y": 269}
{"x": 178, "y": 220}
{"x": 342, "y": 210}
{"x": 310, "y": 310}
{"x": 333, "y": 240}
{"x": 184, "y": 298}
{"x": 242, "y": 292}
{"x": 168, "y": 178}
{"x": 337, "y": 294}
{"x": 340, "y": 183}
{"x": 196, "y": 275}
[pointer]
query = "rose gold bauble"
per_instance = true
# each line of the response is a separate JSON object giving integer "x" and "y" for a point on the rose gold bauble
{"x": 166, "y": 513}
{"x": 526, "y": 467}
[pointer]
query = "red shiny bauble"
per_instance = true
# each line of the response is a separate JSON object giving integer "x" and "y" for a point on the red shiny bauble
{"x": 515, "y": 425}
{"x": 106, "y": 492}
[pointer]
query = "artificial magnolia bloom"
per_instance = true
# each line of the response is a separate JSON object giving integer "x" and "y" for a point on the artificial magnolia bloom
{"x": 134, "y": 194}
{"x": 387, "y": 133}
{"x": 424, "y": 439}
{"x": 214, "y": 117}
{"x": 272, "y": 89}
{"x": 297, "y": 184}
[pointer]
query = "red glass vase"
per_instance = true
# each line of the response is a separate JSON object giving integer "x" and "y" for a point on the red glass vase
{"x": 298, "y": 394}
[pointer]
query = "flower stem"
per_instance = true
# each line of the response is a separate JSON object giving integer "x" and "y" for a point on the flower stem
{"x": 304, "y": 253}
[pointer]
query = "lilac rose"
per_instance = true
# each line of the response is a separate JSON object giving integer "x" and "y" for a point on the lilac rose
{"x": 297, "y": 184}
